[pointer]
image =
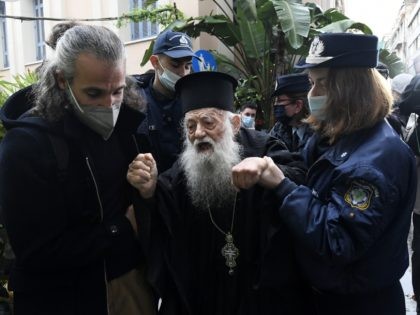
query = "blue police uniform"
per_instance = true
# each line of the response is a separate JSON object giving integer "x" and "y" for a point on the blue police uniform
{"x": 352, "y": 219}
{"x": 160, "y": 133}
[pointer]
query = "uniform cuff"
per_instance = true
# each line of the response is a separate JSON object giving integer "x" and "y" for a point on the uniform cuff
{"x": 284, "y": 188}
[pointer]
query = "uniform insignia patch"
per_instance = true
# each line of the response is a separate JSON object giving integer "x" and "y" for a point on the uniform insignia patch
{"x": 359, "y": 195}
{"x": 317, "y": 48}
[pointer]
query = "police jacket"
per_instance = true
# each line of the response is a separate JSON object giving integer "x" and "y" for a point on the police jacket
{"x": 352, "y": 217}
{"x": 160, "y": 132}
{"x": 67, "y": 228}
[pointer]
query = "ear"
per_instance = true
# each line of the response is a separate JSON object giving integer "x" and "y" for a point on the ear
{"x": 61, "y": 81}
{"x": 236, "y": 123}
{"x": 154, "y": 61}
{"x": 299, "y": 105}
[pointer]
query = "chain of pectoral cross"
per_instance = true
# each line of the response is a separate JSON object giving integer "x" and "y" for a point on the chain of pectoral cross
{"x": 229, "y": 251}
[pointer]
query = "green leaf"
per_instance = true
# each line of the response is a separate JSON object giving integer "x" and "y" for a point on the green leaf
{"x": 248, "y": 8}
{"x": 294, "y": 19}
{"x": 394, "y": 63}
{"x": 217, "y": 25}
{"x": 253, "y": 37}
{"x": 149, "y": 2}
{"x": 344, "y": 25}
{"x": 147, "y": 53}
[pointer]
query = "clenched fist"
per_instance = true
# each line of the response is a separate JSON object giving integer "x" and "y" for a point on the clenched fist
{"x": 142, "y": 174}
{"x": 255, "y": 170}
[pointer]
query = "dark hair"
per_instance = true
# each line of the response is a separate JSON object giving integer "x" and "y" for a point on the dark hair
{"x": 132, "y": 96}
{"x": 57, "y": 31}
{"x": 250, "y": 105}
{"x": 303, "y": 96}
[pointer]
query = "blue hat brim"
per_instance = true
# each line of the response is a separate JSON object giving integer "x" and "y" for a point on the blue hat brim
{"x": 182, "y": 53}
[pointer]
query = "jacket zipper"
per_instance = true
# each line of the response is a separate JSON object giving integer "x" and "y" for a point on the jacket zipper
{"x": 102, "y": 218}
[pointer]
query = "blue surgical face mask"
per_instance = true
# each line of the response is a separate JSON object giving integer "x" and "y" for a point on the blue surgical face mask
{"x": 168, "y": 78}
{"x": 317, "y": 106}
{"x": 248, "y": 122}
{"x": 281, "y": 115}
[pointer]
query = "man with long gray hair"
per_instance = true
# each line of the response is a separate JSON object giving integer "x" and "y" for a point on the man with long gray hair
{"x": 63, "y": 193}
{"x": 212, "y": 249}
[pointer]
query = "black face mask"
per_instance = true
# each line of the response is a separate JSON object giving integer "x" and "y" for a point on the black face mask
{"x": 280, "y": 115}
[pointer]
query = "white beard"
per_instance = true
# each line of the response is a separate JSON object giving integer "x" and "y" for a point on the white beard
{"x": 208, "y": 174}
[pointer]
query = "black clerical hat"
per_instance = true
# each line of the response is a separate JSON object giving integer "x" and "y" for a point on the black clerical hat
{"x": 206, "y": 89}
{"x": 342, "y": 50}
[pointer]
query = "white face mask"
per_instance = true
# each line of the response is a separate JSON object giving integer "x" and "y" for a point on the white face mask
{"x": 100, "y": 119}
{"x": 317, "y": 105}
{"x": 168, "y": 78}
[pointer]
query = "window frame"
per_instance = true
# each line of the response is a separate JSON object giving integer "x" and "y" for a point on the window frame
{"x": 39, "y": 30}
{"x": 142, "y": 30}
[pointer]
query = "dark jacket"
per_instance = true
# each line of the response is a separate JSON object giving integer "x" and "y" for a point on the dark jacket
{"x": 352, "y": 217}
{"x": 293, "y": 142}
{"x": 68, "y": 231}
{"x": 184, "y": 248}
{"x": 410, "y": 98}
{"x": 410, "y": 103}
{"x": 160, "y": 133}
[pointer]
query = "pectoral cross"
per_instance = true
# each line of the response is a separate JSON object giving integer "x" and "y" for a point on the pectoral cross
{"x": 230, "y": 252}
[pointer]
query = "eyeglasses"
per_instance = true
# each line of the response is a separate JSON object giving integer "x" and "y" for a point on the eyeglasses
{"x": 290, "y": 101}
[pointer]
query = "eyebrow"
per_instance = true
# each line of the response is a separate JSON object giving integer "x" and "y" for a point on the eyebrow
{"x": 123, "y": 86}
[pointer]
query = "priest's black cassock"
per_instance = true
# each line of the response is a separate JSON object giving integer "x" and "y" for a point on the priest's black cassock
{"x": 183, "y": 246}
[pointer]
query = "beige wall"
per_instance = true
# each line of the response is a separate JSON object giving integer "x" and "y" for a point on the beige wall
{"x": 21, "y": 35}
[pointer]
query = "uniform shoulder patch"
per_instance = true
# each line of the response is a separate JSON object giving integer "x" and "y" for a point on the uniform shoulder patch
{"x": 359, "y": 195}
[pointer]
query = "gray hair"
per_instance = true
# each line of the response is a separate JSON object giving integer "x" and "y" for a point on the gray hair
{"x": 51, "y": 101}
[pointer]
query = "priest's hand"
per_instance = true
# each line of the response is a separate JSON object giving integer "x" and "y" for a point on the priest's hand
{"x": 142, "y": 174}
{"x": 256, "y": 170}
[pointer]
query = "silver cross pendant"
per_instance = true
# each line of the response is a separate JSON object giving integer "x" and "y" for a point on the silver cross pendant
{"x": 230, "y": 252}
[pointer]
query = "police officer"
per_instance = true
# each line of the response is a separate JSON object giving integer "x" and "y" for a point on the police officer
{"x": 290, "y": 108}
{"x": 160, "y": 131}
{"x": 351, "y": 218}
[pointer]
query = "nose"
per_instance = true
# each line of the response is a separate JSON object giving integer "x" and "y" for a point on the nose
{"x": 110, "y": 100}
{"x": 199, "y": 132}
{"x": 183, "y": 71}
{"x": 314, "y": 91}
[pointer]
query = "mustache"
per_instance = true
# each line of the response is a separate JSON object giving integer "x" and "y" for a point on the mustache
{"x": 205, "y": 141}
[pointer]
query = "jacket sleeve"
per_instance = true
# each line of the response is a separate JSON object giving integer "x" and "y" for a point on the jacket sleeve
{"x": 37, "y": 222}
{"x": 342, "y": 226}
{"x": 291, "y": 163}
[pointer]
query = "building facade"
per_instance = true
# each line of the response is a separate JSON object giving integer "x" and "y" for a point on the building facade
{"x": 22, "y": 42}
{"x": 404, "y": 39}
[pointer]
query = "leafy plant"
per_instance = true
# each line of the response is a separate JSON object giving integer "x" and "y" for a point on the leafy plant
{"x": 393, "y": 62}
{"x": 265, "y": 37}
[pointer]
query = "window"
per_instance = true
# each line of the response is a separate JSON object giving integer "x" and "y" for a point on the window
{"x": 39, "y": 30}
{"x": 144, "y": 29}
{"x": 3, "y": 42}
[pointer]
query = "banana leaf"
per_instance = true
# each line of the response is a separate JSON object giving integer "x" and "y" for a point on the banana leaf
{"x": 254, "y": 38}
{"x": 295, "y": 21}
